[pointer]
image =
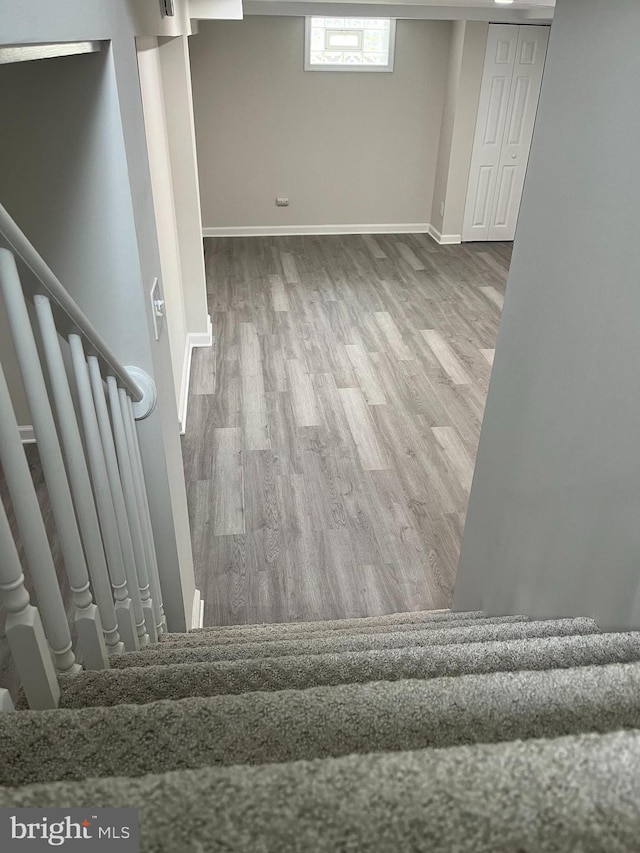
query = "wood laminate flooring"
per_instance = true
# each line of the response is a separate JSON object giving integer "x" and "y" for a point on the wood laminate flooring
{"x": 333, "y": 425}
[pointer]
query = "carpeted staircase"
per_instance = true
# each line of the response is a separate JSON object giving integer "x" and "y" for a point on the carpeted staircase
{"x": 434, "y": 731}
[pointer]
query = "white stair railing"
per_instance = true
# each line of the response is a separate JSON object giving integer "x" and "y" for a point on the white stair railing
{"x": 87, "y": 618}
{"x": 133, "y": 516}
{"x": 124, "y": 606}
{"x": 85, "y": 428}
{"x": 117, "y": 494}
{"x": 77, "y": 469}
{"x": 142, "y": 506}
{"x": 33, "y": 534}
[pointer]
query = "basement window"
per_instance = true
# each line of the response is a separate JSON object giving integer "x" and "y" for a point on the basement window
{"x": 349, "y": 44}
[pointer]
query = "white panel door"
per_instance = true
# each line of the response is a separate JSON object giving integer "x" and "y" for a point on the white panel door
{"x": 498, "y": 167}
{"x": 499, "y": 63}
{"x": 523, "y": 106}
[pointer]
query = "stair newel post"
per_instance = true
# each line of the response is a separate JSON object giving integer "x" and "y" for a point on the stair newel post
{"x": 24, "y": 630}
{"x": 87, "y": 618}
{"x": 33, "y": 535}
{"x": 125, "y": 464}
{"x": 80, "y": 485}
{"x": 117, "y": 494}
{"x": 143, "y": 508}
{"x": 124, "y": 608}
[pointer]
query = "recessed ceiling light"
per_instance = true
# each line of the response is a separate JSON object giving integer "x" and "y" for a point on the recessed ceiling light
{"x": 503, "y": 2}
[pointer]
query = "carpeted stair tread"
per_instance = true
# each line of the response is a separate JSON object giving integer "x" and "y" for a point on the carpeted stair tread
{"x": 209, "y": 638}
{"x": 321, "y": 643}
{"x": 178, "y": 681}
{"x": 294, "y": 725}
{"x": 406, "y": 617}
{"x": 578, "y": 793}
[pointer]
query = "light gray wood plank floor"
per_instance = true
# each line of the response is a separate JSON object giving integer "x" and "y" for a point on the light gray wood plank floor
{"x": 333, "y": 425}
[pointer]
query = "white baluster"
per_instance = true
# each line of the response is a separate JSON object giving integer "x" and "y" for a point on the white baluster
{"x": 138, "y": 456}
{"x": 143, "y": 508}
{"x": 24, "y": 631}
{"x": 124, "y": 533}
{"x": 87, "y": 618}
{"x": 80, "y": 486}
{"x": 33, "y": 534}
{"x": 104, "y": 499}
{"x": 125, "y": 465}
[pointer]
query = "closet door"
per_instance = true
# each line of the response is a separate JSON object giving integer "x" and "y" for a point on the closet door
{"x": 523, "y": 106}
{"x": 502, "y": 44}
{"x": 509, "y": 95}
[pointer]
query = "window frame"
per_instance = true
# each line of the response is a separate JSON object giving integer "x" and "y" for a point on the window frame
{"x": 384, "y": 69}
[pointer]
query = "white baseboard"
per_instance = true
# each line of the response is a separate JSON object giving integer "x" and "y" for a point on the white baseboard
{"x": 444, "y": 239}
{"x": 27, "y": 434}
{"x": 293, "y": 230}
{"x": 197, "y": 611}
{"x": 194, "y": 339}
{"x": 310, "y": 230}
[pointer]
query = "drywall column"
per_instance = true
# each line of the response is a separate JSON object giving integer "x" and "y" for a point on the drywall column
{"x": 466, "y": 62}
{"x": 164, "y": 206}
{"x": 165, "y": 83}
{"x": 553, "y": 521}
{"x": 447, "y": 126}
{"x": 181, "y": 139}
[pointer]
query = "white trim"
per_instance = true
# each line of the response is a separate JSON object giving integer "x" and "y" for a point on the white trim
{"x": 194, "y": 339}
{"x": 202, "y": 339}
{"x": 293, "y": 230}
{"x": 27, "y": 435}
{"x": 444, "y": 239}
{"x": 27, "y": 52}
{"x": 197, "y": 610}
{"x": 402, "y": 9}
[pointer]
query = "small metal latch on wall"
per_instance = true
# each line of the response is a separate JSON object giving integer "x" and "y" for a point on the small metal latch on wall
{"x": 157, "y": 308}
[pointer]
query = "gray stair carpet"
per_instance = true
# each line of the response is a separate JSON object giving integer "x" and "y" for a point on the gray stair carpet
{"x": 274, "y": 631}
{"x": 338, "y": 642}
{"x": 179, "y": 681}
{"x": 294, "y": 725}
{"x": 204, "y": 637}
{"x": 578, "y": 794}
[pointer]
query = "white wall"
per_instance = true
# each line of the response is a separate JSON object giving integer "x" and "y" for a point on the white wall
{"x": 346, "y": 148}
{"x": 552, "y": 527}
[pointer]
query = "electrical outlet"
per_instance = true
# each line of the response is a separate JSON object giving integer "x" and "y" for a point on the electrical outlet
{"x": 441, "y": 208}
{"x": 282, "y": 202}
